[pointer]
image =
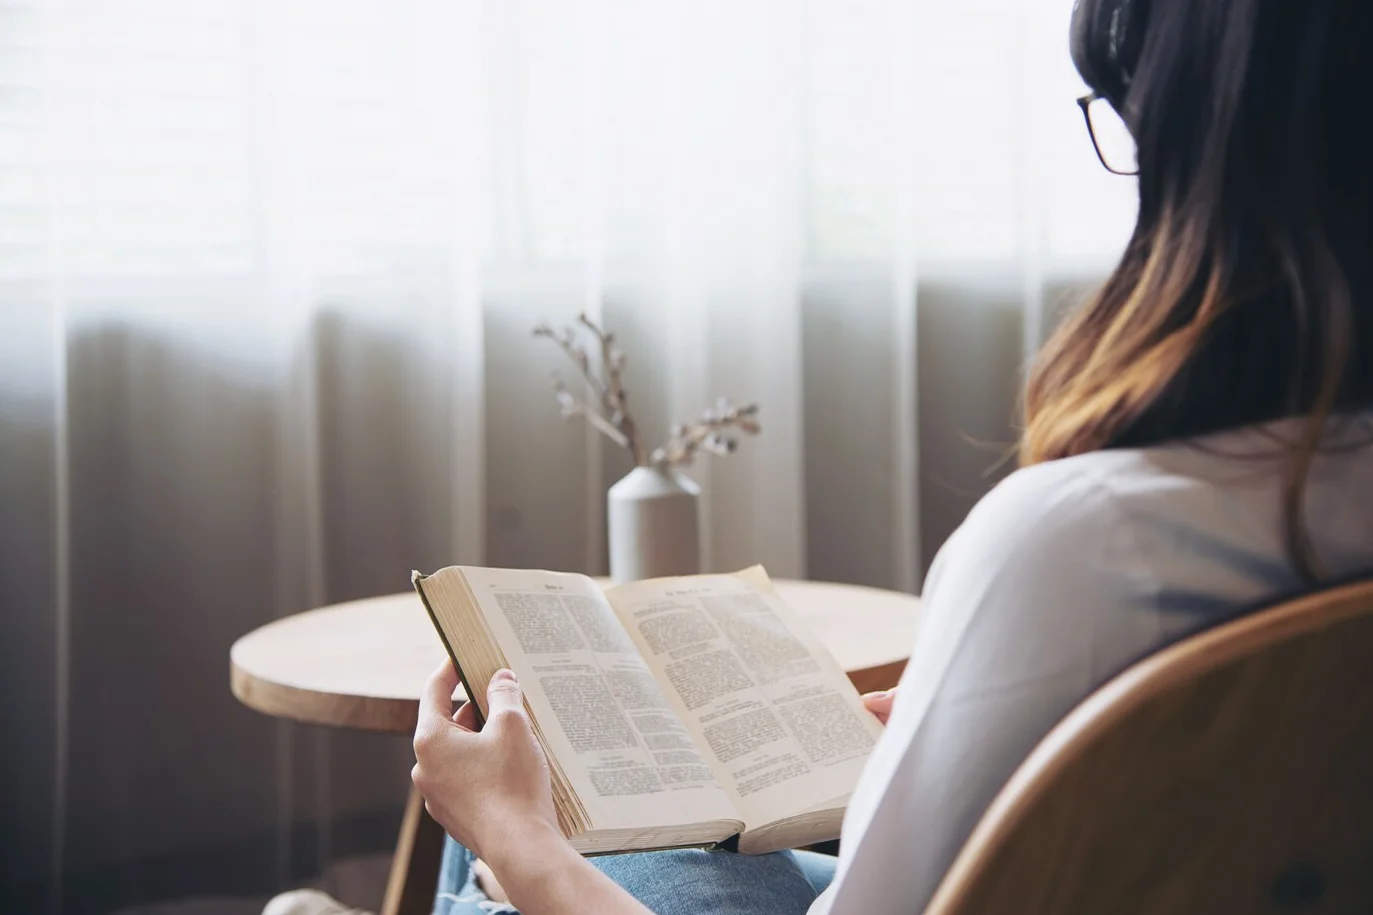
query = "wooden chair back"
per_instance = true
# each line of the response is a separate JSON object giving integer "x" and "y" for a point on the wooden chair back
{"x": 1230, "y": 773}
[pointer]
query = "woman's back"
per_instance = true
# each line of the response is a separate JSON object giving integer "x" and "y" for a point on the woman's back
{"x": 1165, "y": 487}
{"x": 1060, "y": 578}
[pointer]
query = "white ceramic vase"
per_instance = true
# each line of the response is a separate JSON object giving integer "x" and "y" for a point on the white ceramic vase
{"x": 654, "y": 531}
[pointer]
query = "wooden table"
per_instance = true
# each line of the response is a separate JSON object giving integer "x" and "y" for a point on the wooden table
{"x": 362, "y": 665}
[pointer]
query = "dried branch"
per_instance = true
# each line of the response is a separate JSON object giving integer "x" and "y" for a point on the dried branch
{"x": 713, "y": 432}
{"x": 709, "y": 433}
{"x": 613, "y": 395}
{"x": 607, "y": 384}
{"x": 571, "y": 406}
{"x": 575, "y": 352}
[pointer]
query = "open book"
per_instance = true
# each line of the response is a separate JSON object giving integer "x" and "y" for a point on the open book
{"x": 674, "y": 712}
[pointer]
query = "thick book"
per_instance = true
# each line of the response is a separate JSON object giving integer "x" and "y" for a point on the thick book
{"x": 677, "y": 712}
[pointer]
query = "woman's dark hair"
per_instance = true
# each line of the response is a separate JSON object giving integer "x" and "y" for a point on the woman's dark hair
{"x": 1245, "y": 293}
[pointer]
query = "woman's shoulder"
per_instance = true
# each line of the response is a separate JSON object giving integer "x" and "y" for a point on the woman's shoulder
{"x": 1197, "y": 522}
{"x": 1078, "y": 496}
{"x": 1051, "y": 532}
{"x": 1069, "y": 497}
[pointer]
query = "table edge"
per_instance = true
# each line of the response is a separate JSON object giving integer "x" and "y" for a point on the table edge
{"x": 390, "y": 714}
{"x": 278, "y": 700}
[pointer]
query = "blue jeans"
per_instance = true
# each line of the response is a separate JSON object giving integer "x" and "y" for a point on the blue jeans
{"x": 684, "y": 881}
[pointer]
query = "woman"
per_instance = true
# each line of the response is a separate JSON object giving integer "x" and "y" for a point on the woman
{"x": 1194, "y": 447}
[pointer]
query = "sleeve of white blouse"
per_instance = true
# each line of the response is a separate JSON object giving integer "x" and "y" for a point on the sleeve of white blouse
{"x": 1034, "y": 601}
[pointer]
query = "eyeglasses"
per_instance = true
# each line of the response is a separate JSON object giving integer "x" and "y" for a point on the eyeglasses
{"x": 1112, "y": 140}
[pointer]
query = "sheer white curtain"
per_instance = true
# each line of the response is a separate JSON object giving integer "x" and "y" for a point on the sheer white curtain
{"x": 267, "y": 275}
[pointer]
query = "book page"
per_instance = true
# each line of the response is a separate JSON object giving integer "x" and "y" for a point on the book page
{"x": 606, "y": 719}
{"x": 785, "y": 730}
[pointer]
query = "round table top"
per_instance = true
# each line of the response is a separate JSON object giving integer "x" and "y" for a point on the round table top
{"x": 362, "y": 664}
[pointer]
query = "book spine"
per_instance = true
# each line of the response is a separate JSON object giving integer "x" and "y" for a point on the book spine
{"x": 417, "y": 579}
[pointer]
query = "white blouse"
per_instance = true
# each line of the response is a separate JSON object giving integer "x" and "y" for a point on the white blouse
{"x": 1060, "y": 578}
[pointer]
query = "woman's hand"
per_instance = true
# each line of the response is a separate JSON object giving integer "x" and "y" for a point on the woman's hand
{"x": 488, "y": 789}
{"x": 880, "y": 703}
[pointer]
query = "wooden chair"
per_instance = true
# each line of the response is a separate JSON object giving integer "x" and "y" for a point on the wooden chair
{"x": 1230, "y": 773}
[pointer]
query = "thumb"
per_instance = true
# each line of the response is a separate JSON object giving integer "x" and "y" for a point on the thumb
{"x": 880, "y": 703}
{"x": 503, "y": 696}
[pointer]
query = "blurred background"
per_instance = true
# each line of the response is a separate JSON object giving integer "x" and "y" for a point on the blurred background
{"x": 268, "y": 270}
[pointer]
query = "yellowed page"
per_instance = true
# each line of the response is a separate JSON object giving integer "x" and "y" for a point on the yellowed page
{"x": 784, "y": 729}
{"x": 607, "y": 721}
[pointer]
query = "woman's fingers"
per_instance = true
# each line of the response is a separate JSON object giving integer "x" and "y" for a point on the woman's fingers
{"x": 466, "y": 717}
{"x": 880, "y": 703}
{"x": 436, "y": 701}
{"x": 481, "y": 787}
{"x": 503, "y": 697}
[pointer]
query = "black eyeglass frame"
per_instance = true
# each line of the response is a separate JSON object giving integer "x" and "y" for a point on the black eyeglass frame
{"x": 1084, "y": 103}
